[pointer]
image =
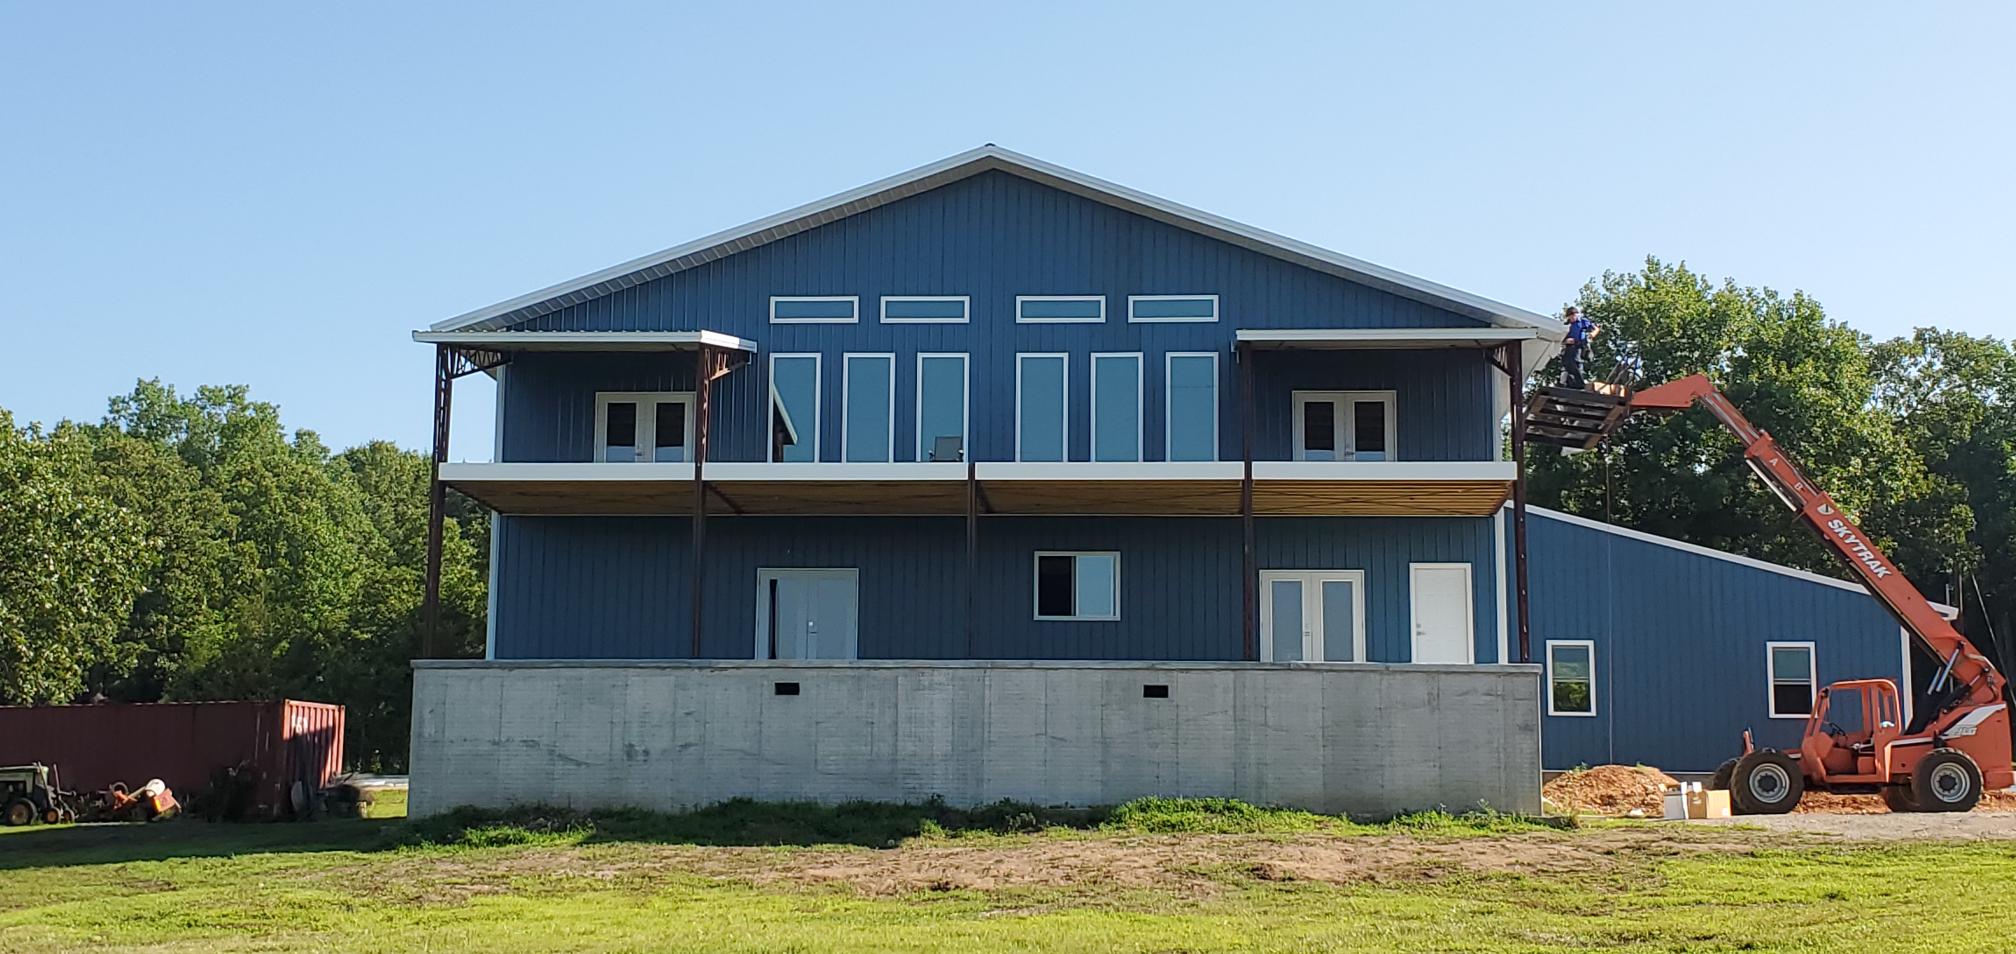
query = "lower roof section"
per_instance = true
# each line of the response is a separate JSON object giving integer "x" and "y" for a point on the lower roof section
{"x": 1280, "y": 488}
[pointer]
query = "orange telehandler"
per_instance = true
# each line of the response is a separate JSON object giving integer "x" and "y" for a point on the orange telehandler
{"x": 1958, "y": 743}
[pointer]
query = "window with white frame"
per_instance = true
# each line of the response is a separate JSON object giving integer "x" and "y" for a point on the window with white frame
{"x": 1190, "y": 418}
{"x": 926, "y": 309}
{"x": 1060, "y": 309}
{"x": 1571, "y": 677}
{"x": 1345, "y": 425}
{"x": 1794, "y": 677}
{"x": 1158, "y": 308}
{"x": 868, "y": 408}
{"x": 794, "y": 407}
{"x": 942, "y": 386}
{"x": 1077, "y": 585}
{"x": 1042, "y": 393}
{"x": 1116, "y": 406}
{"x": 815, "y": 309}
{"x": 643, "y": 426}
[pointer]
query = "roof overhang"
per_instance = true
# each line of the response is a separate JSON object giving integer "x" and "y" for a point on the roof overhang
{"x": 1280, "y": 488}
{"x": 516, "y": 341}
{"x": 1537, "y": 347}
{"x": 975, "y": 162}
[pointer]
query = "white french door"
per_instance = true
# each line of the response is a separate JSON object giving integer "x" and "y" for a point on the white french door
{"x": 1312, "y": 615}
{"x": 1344, "y": 425}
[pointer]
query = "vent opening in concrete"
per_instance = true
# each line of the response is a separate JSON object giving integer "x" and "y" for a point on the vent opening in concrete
{"x": 1154, "y": 691}
{"x": 784, "y": 688}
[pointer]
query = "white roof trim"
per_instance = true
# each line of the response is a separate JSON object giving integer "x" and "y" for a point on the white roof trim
{"x": 1386, "y": 337}
{"x": 1355, "y": 470}
{"x": 970, "y": 163}
{"x": 1698, "y": 550}
{"x": 585, "y": 340}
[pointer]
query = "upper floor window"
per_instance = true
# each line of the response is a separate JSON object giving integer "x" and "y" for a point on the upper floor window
{"x": 633, "y": 426}
{"x": 1067, "y": 309}
{"x": 1190, "y": 421}
{"x": 1793, "y": 676}
{"x": 941, "y": 407}
{"x": 1116, "y": 407}
{"x": 1042, "y": 392}
{"x": 1151, "y": 308}
{"x": 815, "y": 309}
{"x": 868, "y": 408}
{"x": 794, "y": 407}
{"x": 1571, "y": 677}
{"x": 926, "y": 309}
{"x": 1344, "y": 425}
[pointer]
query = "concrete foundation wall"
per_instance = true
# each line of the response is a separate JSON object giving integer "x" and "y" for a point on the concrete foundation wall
{"x": 1363, "y": 739}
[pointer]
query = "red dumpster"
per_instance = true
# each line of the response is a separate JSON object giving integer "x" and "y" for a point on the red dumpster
{"x": 182, "y": 743}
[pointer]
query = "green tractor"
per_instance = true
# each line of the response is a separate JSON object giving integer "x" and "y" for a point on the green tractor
{"x": 29, "y": 793}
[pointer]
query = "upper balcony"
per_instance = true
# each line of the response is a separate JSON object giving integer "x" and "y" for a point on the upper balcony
{"x": 1334, "y": 422}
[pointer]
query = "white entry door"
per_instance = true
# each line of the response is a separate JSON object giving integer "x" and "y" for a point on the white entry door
{"x": 1442, "y": 618}
{"x": 1312, "y": 616}
{"x": 806, "y": 614}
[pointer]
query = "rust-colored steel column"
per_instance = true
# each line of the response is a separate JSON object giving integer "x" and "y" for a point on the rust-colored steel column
{"x": 703, "y": 412}
{"x": 1518, "y": 392}
{"x": 1249, "y": 581}
{"x": 437, "y": 501}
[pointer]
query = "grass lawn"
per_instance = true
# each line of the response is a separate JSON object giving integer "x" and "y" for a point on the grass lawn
{"x": 1171, "y": 876}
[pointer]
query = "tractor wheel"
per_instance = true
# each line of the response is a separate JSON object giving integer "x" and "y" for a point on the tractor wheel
{"x": 1723, "y": 773}
{"x": 1946, "y": 781}
{"x": 1765, "y": 783}
{"x": 1900, "y": 800}
{"x": 51, "y": 816}
{"x": 19, "y": 812}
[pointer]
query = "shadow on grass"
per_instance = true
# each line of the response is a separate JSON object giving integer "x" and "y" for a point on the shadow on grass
{"x": 738, "y": 822}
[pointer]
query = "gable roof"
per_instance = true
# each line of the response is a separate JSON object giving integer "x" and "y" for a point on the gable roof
{"x": 965, "y": 165}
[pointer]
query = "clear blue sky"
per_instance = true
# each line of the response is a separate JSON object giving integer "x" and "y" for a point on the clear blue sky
{"x": 276, "y": 194}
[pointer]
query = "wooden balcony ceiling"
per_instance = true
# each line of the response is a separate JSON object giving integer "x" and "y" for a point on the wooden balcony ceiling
{"x": 1280, "y": 489}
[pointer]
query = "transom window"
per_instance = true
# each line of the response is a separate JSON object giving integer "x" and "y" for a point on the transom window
{"x": 1116, "y": 407}
{"x": 868, "y": 415}
{"x": 794, "y": 407}
{"x": 1794, "y": 676}
{"x": 1153, "y": 308}
{"x": 1190, "y": 421}
{"x": 1077, "y": 585}
{"x": 815, "y": 309}
{"x": 925, "y": 309}
{"x": 1060, "y": 309}
{"x": 1571, "y": 677}
{"x": 1344, "y": 425}
{"x": 643, "y": 426}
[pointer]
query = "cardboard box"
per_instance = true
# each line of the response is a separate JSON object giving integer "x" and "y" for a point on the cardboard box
{"x": 1691, "y": 800}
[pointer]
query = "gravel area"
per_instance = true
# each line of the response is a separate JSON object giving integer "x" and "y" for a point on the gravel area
{"x": 1969, "y": 826}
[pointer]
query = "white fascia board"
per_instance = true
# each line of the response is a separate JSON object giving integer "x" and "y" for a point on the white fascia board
{"x": 474, "y": 473}
{"x": 991, "y": 157}
{"x": 1109, "y": 470}
{"x": 1352, "y": 470}
{"x": 808, "y": 472}
{"x": 1723, "y": 555}
{"x": 585, "y": 340}
{"x": 1382, "y": 337}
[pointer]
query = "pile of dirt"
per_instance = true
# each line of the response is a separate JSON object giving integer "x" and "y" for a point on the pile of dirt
{"x": 1608, "y": 790}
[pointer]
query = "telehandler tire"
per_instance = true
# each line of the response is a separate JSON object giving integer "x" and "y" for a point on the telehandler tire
{"x": 1719, "y": 782}
{"x": 1766, "y": 783}
{"x": 1898, "y": 799}
{"x": 1947, "y": 780}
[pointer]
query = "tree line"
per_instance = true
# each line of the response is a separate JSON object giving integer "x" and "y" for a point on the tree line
{"x": 190, "y": 547}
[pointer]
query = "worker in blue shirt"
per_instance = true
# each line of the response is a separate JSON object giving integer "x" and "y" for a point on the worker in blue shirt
{"x": 1575, "y": 348}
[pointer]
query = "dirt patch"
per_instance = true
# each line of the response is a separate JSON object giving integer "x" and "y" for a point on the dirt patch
{"x": 1830, "y": 804}
{"x": 1609, "y": 790}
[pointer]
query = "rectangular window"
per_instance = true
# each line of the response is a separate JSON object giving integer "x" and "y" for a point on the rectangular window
{"x": 925, "y": 309}
{"x": 815, "y": 309}
{"x": 1571, "y": 677}
{"x": 794, "y": 407}
{"x": 1344, "y": 425}
{"x": 1190, "y": 424}
{"x": 1152, "y": 308}
{"x": 1077, "y": 585}
{"x": 1065, "y": 309}
{"x": 1042, "y": 390}
{"x": 1116, "y": 407}
{"x": 867, "y": 408}
{"x": 941, "y": 407}
{"x": 1793, "y": 675}
{"x": 641, "y": 426}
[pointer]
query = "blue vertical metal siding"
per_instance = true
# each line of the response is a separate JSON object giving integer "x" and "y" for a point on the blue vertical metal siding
{"x": 993, "y": 237}
{"x": 617, "y": 587}
{"x": 1680, "y": 637}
